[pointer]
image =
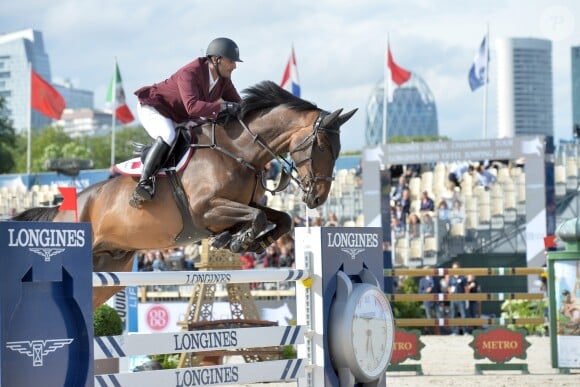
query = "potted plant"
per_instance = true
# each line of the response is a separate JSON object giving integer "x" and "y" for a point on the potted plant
{"x": 107, "y": 322}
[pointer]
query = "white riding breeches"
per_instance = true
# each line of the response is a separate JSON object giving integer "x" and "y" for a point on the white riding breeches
{"x": 155, "y": 124}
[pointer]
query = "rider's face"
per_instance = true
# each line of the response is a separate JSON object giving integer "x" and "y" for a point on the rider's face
{"x": 226, "y": 67}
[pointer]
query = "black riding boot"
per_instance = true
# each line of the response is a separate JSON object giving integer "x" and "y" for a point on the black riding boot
{"x": 153, "y": 161}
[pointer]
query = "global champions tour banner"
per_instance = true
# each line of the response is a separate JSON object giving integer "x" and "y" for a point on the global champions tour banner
{"x": 46, "y": 323}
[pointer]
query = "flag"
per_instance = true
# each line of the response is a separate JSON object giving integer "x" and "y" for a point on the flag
{"x": 290, "y": 79}
{"x": 116, "y": 98}
{"x": 45, "y": 98}
{"x": 478, "y": 71}
{"x": 398, "y": 74}
{"x": 69, "y": 200}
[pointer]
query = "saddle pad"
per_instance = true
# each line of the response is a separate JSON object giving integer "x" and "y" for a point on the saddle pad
{"x": 134, "y": 167}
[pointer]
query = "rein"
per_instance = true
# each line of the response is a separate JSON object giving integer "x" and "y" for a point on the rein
{"x": 305, "y": 183}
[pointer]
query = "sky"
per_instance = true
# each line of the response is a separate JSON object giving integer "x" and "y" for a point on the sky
{"x": 340, "y": 47}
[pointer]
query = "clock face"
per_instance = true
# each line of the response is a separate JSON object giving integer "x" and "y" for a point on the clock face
{"x": 372, "y": 332}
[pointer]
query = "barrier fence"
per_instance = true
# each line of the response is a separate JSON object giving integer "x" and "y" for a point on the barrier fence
{"x": 202, "y": 340}
{"x": 408, "y": 344}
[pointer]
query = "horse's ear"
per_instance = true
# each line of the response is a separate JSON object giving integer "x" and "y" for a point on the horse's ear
{"x": 329, "y": 119}
{"x": 346, "y": 116}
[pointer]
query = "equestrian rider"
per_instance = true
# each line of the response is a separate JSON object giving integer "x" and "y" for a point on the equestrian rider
{"x": 200, "y": 89}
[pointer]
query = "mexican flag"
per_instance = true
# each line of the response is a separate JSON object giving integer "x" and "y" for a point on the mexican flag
{"x": 116, "y": 98}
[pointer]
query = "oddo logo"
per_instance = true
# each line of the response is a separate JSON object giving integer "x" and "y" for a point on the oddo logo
{"x": 157, "y": 317}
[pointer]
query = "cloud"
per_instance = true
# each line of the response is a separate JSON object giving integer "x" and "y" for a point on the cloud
{"x": 340, "y": 47}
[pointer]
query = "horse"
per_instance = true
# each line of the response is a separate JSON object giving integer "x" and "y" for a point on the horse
{"x": 222, "y": 181}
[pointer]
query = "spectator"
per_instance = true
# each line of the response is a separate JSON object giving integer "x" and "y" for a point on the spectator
{"x": 159, "y": 262}
{"x": 247, "y": 260}
{"x": 405, "y": 204}
{"x": 472, "y": 306}
{"x": 456, "y": 214}
{"x": 443, "y": 211}
{"x": 427, "y": 226}
{"x": 399, "y": 188}
{"x": 272, "y": 169}
{"x": 414, "y": 226}
{"x": 456, "y": 176}
{"x": 427, "y": 203}
{"x": 457, "y": 285}
{"x": 430, "y": 285}
{"x": 397, "y": 227}
{"x": 271, "y": 256}
{"x": 332, "y": 220}
{"x": 484, "y": 177}
{"x": 148, "y": 259}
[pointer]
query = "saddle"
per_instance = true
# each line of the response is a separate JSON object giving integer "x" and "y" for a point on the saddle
{"x": 177, "y": 159}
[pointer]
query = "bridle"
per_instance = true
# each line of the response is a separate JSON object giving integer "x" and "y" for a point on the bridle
{"x": 305, "y": 183}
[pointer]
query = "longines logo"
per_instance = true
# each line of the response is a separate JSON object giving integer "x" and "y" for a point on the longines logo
{"x": 352, "y": 243}
{"x": 37, "y": 349}
{"x": 46, "y": 253}
{"x": 46, "y": 242}
{"x": 353, "y": 252}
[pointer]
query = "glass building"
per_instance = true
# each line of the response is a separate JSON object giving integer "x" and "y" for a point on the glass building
{"x": 17, "y": 51}
{"x": 576, "y": 90}
{"x": 411, "y": 112}
{"x": 524, "y": 87}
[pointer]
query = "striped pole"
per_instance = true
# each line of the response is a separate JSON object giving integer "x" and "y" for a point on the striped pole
{"x": 447, "y": 322}
{"x": 197, "y": 341}
{"x": 197, "y": 277}
{"x": 477, "y": 271}
{"x": 465, "y": 297}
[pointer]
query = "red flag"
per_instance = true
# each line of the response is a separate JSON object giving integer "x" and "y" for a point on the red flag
{"x": 45, "y": 98}
{"x": 69, "y": 199}
{"x": 398, "y": 74}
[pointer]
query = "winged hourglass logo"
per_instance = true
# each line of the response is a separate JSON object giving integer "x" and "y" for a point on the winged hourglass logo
{"x": 47, "y": 253}
{"x": 37, "y": 349}
{"x": 353, "y": 252}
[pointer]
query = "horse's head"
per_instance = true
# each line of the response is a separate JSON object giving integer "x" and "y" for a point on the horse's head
{"x": 315, "y": 153}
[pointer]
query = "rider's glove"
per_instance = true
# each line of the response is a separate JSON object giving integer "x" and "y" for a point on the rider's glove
{"x": 230, "y": 108}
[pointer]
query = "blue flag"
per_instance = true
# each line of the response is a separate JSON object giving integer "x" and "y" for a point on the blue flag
{"x": 478, "y": 71}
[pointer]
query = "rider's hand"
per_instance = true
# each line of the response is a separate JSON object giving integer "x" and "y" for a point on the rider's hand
{"x": 230, "y": 108}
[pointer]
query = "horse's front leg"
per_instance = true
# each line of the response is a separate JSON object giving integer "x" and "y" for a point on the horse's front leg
{"x": 280, "y": 219}
{"x": 246, "y": 222}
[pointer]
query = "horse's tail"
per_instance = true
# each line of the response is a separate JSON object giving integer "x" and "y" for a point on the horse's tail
{"x": 38, "y": 214}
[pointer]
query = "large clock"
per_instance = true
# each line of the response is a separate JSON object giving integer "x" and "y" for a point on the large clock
{"x": 361, "y": 331}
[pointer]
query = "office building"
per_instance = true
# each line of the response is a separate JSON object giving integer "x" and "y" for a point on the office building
{"x": 18, "y": 51}
{"x": 524, "y": 87}
{"x": 576, "y": 90}
{"x": 411, "y": 112}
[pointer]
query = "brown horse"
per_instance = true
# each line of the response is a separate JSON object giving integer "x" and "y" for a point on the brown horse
{"x": 223, "y": 182}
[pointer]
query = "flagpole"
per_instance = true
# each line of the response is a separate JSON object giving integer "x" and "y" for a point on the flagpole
{"x": 385, "y": 93}
{"x": 29, "y": 133}
{"x": 113, "y": 118}
{"x": 486, "y": 64}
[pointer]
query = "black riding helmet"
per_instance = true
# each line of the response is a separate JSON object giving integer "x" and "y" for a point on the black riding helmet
{"x": 224, "y": 47}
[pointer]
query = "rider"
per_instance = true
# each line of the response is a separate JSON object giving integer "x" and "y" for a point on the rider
{"x": 200, "y": 89}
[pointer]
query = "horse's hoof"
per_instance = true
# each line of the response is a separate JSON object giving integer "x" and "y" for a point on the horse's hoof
{"x": 236, "y": 246}
{"x": 221, "y": 240}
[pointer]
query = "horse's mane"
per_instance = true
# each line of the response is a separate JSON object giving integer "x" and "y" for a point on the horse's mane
{"x": 267, "y": 94}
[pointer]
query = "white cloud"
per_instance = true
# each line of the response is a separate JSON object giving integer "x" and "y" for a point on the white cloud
{"x": 340, "y": 46}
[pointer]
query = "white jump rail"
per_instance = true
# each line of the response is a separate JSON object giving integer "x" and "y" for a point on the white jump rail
{"x": 196, "y": 341}
{"x": 197, "y": 277}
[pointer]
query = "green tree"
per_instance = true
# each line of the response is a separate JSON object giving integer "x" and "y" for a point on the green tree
{"x": 48, "y": 142}
{"x": 7, "y": 140}
{"x": 100, "y": 146}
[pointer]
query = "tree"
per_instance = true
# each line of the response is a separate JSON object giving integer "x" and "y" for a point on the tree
{"x": 46, "y": 143}
{"x": 100, "y": 146}
{"x": 7, "y": 140}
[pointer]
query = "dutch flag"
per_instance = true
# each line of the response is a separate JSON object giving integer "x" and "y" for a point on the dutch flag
{"x": 290, "y": 79}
